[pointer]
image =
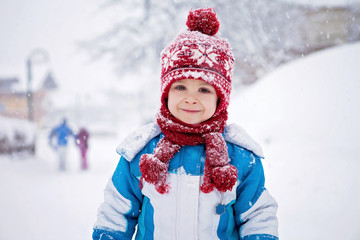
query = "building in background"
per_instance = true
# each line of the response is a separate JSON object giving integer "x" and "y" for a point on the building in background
{"x": 13, "y": 102}
{"x": 305, "y": 30}
{"x": 330, "y": 26}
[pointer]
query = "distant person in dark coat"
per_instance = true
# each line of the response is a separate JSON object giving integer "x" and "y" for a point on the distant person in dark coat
{"x": 82, "y": 141}
{"x": 61, "y": 133}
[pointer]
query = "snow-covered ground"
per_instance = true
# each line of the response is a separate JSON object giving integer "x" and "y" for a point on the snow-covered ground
{"x": 304, "y": 114}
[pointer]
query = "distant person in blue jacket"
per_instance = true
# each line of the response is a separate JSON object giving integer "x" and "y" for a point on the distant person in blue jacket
{"x": 189, "y": 175}
{"x": 61, "y": 133}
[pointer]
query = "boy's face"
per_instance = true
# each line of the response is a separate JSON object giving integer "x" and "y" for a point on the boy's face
{"x": 192, "y": 101}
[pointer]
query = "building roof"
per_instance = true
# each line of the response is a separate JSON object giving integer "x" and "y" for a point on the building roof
{"x": 6, "y": 84}
{"x": 49, "y": 82}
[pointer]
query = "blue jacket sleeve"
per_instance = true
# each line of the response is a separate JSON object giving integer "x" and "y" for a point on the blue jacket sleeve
{"x": 255, "y": 209}
{"x": 118, "y": 214}
{"x": 52, "y": 133}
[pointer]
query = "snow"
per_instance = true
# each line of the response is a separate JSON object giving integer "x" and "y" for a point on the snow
{"x": 11, "y": 128}
{"x": 136, "y": 140}
{"x": 235, "y": 134}
{"x": 305, "y": 115}
{"x": 38, "y": 202}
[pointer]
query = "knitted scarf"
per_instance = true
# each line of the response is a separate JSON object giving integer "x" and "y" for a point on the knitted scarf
{"x": 218, "y": 172}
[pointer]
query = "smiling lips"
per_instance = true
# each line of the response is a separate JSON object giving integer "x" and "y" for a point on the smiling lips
{"x": 190, "y": 111}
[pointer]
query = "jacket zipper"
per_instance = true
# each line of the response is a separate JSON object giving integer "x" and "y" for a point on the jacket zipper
{"x": 178, "y": 178}
{"x": 196, "y": 221}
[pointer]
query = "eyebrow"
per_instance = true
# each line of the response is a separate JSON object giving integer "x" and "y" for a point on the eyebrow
{"x": 205, "y": 83}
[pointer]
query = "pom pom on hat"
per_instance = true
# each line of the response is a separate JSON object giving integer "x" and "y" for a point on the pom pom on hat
{"x": 204, "y": 21}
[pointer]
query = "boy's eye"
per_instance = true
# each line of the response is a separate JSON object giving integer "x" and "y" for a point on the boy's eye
{"x": 180, "y": 87}
{"x": 204, "y": 90}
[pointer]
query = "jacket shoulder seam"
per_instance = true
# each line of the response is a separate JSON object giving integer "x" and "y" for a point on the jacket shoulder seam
{"x": 137, "y": 140}
{"x": 238, "y": 136}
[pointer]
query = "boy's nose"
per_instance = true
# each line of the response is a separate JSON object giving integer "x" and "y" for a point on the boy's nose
{"x": 190, "y": 100}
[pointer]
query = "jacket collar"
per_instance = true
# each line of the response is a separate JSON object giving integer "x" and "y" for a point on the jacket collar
{"x": 137, "y": 140}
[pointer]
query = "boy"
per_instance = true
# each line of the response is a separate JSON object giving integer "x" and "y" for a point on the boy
{"x": 189, "y": 176}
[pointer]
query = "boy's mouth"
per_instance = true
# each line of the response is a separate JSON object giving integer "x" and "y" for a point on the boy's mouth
{"x": 190, "y": 110}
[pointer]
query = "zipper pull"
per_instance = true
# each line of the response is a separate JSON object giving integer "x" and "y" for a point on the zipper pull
{"x": 221, "y": 208}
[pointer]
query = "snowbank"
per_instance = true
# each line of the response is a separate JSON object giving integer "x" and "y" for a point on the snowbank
{"x": 16, "y": 135}
{"x": 306, "y": 116}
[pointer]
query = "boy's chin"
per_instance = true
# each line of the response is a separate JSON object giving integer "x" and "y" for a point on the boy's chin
{"x": 191, "y": 122}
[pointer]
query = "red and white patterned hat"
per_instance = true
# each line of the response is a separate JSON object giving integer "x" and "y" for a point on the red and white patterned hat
{"x": 198, "y": 54}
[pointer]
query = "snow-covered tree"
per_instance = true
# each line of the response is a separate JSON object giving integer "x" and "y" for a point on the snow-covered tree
{"x": 261, "y": 33}
{"x": 354, "y": 20}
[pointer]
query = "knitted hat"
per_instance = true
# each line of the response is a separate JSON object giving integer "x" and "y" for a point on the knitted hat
{"x": 197, "y": 53}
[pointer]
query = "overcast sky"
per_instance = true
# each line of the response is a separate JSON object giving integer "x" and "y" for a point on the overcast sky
{"x": 56, "y": 26}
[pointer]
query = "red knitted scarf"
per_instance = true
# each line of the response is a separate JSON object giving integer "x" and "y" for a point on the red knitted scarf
{"x": 218, "y": 172}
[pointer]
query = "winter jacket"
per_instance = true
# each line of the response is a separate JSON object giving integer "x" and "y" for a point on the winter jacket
{"x": 247, "y": 212}
{"x": 82, "y": 138}
{"x": 62, "y": 132}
